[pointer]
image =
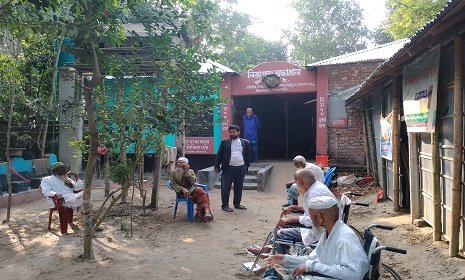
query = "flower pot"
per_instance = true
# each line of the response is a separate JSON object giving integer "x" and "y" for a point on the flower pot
{"x": 16, "y": 152}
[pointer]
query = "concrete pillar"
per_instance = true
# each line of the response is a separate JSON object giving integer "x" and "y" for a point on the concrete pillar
{"x": 322, "y": 111}
{"x": 70, "y": 121}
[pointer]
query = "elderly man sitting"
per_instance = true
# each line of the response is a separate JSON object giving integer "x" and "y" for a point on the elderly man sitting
{"x": 301, "y": 163}
{"x": 66, "y": 190}
{"x": 339, "y": 253}
{"x": 183, "y": 181}
{"x": 310, "y": 188}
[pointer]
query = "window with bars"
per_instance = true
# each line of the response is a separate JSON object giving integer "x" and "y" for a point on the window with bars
{"x": 201, "y": 126}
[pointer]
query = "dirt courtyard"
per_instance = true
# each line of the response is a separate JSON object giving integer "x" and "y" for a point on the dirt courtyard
{"x": 167, "y": 248}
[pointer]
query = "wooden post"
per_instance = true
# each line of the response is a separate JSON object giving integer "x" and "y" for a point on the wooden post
{"x": 414, "y": 179}
{"x": 458, "y": 149}
{"x": 371, "y": 139}
{"x": 365, "y": 142}
{"x": 395, "y": 144}
{"x": 436, "y": 168}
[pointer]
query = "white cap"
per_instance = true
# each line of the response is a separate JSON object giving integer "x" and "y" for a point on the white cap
{"x": 322, "y": 202}
{"x": 300, "y": 159}
{"x": 183, "y": 159}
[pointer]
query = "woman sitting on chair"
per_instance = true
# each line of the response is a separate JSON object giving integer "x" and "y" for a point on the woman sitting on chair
{"x": 183, "y": 181}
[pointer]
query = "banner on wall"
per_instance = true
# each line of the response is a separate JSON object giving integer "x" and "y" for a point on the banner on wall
{"x": 197, "y": 145}
{"x": 420, "y": 86}
{"x": 386, "y": 138}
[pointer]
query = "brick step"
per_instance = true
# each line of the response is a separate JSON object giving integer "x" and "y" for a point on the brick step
{"x": 247, "y": 179}
{"x": 253, "y": 170}
{"x": 246, "y": 186}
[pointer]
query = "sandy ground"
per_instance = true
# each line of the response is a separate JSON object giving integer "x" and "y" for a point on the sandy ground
{"x": 167, "y": 248}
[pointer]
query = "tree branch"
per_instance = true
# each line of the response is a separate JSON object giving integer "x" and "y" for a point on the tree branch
{"x": 6, "y": 4}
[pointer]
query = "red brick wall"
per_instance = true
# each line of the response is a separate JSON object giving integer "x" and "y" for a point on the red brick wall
{"x": 345, "y": 145}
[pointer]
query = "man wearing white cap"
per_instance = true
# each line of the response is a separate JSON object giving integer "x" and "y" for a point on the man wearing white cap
{"x": 309, "y": 188}
{"x": 183, "y": 180}
{"x": 300, "y": 163}
{"x": 339, "y": 253}
{"x": 65, "y": 190}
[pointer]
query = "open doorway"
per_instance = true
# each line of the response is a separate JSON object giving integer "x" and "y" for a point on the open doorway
{"x": 276, "y": 139}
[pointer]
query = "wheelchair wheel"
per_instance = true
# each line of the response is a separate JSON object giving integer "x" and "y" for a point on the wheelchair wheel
{"x": 389, "y": 273}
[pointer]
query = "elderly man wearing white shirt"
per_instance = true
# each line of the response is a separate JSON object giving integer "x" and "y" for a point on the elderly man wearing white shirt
{"x": 67, "y": 191}
{"x": 301, "y": 163}
{"x": 310, "y": 188}
{"x": 339, "y": 253}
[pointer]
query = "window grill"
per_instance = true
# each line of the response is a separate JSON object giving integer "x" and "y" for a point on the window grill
{"x": 201, "y": 126}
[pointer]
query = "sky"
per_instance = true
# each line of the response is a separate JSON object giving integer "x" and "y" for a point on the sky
{"x": 270, "y": 16}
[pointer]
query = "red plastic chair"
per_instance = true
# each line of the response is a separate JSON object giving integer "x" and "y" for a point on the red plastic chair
{"x": 65, "y": 214}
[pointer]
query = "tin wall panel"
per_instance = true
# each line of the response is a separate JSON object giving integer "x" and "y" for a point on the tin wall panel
{"x": 426, "y": 177}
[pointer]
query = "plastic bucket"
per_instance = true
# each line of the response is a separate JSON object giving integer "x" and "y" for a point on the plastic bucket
{"x": 322, "y": 160}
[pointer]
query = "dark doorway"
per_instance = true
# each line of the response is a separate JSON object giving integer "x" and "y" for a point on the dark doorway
{"x": 275, "y": 141}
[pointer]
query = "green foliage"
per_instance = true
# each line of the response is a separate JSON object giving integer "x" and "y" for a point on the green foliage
{"x": 139, "y": 110}
{"x": 11, "y": 82}
{"x": 380, "y": 36}
{"x": 326, "y": 29}
{"x": 251, "y": 50}
{"x": 120, "y": 172}
{"x": 405, "y": 17}
{"x": 216, "y": 27}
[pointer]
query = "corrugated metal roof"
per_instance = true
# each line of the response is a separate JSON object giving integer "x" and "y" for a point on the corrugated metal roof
{"x": 450, "y": 5}
{"x": 345, "y": 94}
{"x": 218, "y": 67}
{"x": 139, "y": 29}
{"x": 380, "y": 52}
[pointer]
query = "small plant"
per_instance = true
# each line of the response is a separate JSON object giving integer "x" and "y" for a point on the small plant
{"x": 20, "y": 141}
{"x": 122, "y": 226}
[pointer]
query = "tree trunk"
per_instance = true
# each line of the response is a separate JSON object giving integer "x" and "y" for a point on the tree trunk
{"x": 8, "y": 135}
{"x": 156, "y": 179}
{"x": 86, "y": 205}
{"x": 94, "y": 143}
{"x": 122, "y": 154}
{"x": 107, "y": 174}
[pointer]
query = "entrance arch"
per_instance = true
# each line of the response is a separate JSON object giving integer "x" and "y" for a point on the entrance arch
{"x": 290, "y": 102}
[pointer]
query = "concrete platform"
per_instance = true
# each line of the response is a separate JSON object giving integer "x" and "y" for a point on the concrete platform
{"x": 22, "y": 197}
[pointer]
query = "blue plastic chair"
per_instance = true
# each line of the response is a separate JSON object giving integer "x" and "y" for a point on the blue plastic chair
{"x": 189, "y": 204}
{"x": 329, "y": 176}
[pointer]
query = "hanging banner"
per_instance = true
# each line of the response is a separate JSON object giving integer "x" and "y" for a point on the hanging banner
{"x": 420, "y": 87}
{"x": 197, "y": 145}
{"x": 386, "y": 138}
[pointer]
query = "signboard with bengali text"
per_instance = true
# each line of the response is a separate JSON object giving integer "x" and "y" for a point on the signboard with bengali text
{"x": 198, "y": 145}
{"x": 293, "y": 79}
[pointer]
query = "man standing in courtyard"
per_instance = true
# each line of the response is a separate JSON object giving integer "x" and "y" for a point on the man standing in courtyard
{"x": 251, "y": 125}
{"x": 234, "y": 157}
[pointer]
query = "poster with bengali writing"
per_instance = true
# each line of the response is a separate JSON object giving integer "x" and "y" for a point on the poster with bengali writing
{"x": 420, "y": 86}
{"x": 198, "y": 145}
